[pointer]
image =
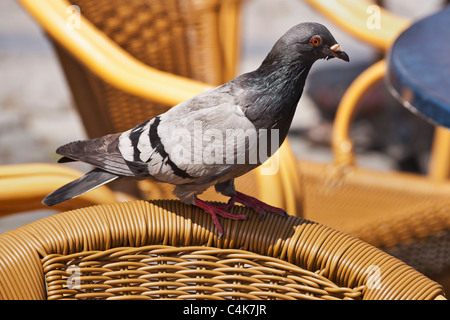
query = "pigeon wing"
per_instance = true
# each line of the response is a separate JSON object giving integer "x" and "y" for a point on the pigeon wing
{"x": 189, "y": 144}
{"x": 101, "y": 152}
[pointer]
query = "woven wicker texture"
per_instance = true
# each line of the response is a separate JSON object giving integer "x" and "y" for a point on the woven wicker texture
{"x": 167, "y": 272}
{"x": 151, "y": 250}
{"x": 177, "y": 36}
{"x": 406, "y": 215}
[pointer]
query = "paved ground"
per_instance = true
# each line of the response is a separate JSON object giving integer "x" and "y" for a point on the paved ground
{"x": 36, "y": 113}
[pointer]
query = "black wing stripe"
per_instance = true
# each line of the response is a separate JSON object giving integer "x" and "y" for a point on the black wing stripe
{"x": 134, "y": 138}
{"x": 156, "y": 144}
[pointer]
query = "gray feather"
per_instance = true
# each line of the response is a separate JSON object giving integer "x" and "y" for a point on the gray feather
{"x": 86, "y": 183}
{"x": 100, "y": 152}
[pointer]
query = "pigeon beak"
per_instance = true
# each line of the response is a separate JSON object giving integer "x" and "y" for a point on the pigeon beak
{"x": 335, "y": 51}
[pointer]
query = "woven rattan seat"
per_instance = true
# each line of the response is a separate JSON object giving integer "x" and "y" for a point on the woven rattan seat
{"x": 158, "y": 271}
{"x": 167, "y": 250}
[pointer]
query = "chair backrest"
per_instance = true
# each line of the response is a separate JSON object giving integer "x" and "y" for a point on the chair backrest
{"x": 165, "y": 249}
{"x": 193, "y": 39}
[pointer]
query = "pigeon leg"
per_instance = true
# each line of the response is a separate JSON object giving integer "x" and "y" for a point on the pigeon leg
{"x": 227, "y": 206}
{"x": 260, "y": 207}
{"x": 214, "y": 211}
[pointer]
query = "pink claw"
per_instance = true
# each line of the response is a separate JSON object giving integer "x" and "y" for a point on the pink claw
{"x": 260, "y": 207}
{"x": 215, "y": 210}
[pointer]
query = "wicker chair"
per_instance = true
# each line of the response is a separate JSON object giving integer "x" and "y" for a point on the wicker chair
{"x": 167, "y": 250}
{"x": 114, "y": 77}
{"x": 352, "y": 15}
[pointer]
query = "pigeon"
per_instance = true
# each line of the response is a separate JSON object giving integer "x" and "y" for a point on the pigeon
{"x": 214, "y": 137}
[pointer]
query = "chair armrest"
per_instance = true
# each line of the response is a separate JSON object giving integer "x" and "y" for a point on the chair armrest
{"x": 24, "y": 187}
{"x": 353, "y": 16}
{"x": 342, "y": 144}
{"x": 106, "y": 59}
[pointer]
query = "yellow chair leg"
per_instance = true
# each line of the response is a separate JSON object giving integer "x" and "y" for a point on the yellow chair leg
{"x": 439, "y": 167}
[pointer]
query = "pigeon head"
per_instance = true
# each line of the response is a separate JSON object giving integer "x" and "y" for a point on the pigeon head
{"x": 274, "y": 89}
{"x": 306, "y": 43}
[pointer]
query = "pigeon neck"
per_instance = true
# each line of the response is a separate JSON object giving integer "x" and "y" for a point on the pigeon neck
{"x": 280, "y": 86}
{"x": 286, "y": 79}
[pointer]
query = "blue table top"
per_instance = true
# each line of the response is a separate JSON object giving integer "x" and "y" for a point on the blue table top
{"x": 419, "y": 68}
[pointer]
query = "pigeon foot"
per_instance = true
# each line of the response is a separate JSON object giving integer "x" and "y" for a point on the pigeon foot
{"x": 214, "y": 211}
{"x": 260, "y": 207}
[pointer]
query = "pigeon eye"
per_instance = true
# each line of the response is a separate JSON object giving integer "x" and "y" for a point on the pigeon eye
{"x": 316, "y": 41}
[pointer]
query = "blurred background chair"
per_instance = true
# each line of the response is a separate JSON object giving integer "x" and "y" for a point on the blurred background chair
{"x": 353, "y": 16}
{"x": 130, "y": 61}
{"x": 167, "y": 250}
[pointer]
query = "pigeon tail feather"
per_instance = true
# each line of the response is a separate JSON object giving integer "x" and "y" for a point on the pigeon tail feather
{"x": 88, "y": 182}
